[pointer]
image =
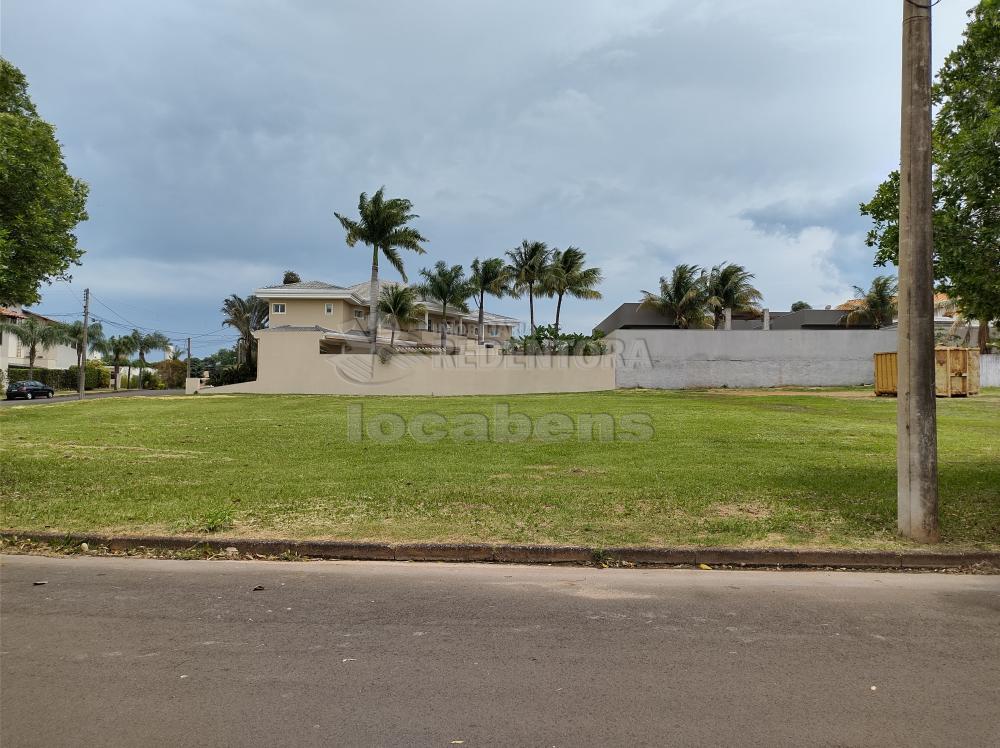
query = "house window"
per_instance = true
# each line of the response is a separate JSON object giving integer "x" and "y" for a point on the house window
{"x": 329, "y": 309}
{"x": 359, "y": 314}
{"x": 277, "y": 308}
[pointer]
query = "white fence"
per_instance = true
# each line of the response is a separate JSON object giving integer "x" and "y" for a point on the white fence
{"x": 679, "y": 359}
{"x": 989, "y": 370}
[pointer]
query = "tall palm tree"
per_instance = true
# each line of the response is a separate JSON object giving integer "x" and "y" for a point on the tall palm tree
{"x": 401, "y": 307}
{"x": 36, "y": 335}
{"x": 450, "y": 288}
{"x": 146, "y": 342}
{"x": 490, "y": 276}
{"x": 684, "y": 297}
{"x": 383, "y": 227}
{"x": 566, "y": 274}
{"x": 877, "y": 305}
{"x": 245, "y": 315}
{"x": 730, "y": 287}
{"x": 526, "y": 268}
{"x": 95, "y": 334}
{"x": 118, "y": 348}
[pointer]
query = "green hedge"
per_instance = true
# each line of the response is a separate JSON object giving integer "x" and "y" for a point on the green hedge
{"x": 95, "y": 376}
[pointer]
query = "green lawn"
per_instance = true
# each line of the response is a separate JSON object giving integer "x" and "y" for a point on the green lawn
{"x": 750, "y": 468}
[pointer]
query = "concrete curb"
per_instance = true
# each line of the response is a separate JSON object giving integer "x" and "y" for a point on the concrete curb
{"x": 527, "y": 554}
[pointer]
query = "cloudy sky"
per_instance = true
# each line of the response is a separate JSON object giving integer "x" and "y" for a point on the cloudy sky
{"x": 218, "y": 137}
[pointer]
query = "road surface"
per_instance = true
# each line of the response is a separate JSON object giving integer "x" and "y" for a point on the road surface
{"x": 90, "y": 396}
{"x": 127, "y": 652}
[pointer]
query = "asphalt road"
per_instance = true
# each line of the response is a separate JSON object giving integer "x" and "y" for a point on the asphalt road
{"x": 127, "y": 652}
{"x": 91, "y": 396}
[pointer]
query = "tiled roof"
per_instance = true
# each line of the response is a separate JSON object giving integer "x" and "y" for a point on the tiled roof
{"x": 12, "y": 313}
{"x": 312, "y": 285}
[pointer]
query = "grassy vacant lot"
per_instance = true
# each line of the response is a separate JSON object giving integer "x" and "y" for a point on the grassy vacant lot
{"x": 750, "y": 468}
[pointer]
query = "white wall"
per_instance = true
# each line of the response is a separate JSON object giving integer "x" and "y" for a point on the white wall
{"x": 678, "y": 359}
{"x": 989, "y": 370}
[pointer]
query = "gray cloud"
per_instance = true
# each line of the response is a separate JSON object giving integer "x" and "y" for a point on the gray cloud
{"x": 219, "y": 137}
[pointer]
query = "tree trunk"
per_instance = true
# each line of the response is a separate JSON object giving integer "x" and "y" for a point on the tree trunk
{"x": 128, "y": 377}
{"x": 142, "y": 367}
{"x": 373, "y": 301}
{"x": 482, "y": 330}
{"x": 558, "y": 310}
{"x": 444, "y": 328}
{"x": 531, "y": 305}
{"x": 984, "y": 336}
{"x": 32, "y": 352}
{"x": 392, "y": 339}
{"x": 117, "y": 372}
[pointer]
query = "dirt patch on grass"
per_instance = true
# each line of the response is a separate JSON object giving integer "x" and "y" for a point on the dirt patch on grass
{"x": 752, "y": 510}
{"x": 865, "y": 394}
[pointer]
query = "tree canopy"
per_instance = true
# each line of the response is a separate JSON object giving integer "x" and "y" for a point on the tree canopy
{"x": 40, "y": 202}
{"x": 966, "y": 151}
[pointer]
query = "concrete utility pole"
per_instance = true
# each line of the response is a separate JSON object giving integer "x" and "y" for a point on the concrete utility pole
{"x": 189, "y": 358}
{"x": 81, "y": 382}
{"x": 916, "y": 421}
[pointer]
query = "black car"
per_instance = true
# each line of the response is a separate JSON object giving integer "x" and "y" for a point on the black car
{"x": 29, "y": 389}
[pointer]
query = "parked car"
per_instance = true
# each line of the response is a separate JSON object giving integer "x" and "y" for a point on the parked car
{"x": 29, "y": 389}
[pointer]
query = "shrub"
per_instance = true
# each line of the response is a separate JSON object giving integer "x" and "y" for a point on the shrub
{"x": 95, "y": 376}
{"x": 55, "y": 378}
{"x": 172, "y": 372}
{"x": 150, "y": 381}
{"x": 245, "y": 372}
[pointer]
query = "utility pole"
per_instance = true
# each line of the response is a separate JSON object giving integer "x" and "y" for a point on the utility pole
{"x": 916, "y": 420}
{"x": 82, "y": 373}
{"x": 189, "y": 359}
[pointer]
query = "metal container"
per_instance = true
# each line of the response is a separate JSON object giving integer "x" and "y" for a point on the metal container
{"x": 956, "y": 372}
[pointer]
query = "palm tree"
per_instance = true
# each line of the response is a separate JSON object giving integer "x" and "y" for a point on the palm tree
{"x": 118, "y": 348}
{"x": 36, "y": 335}
{"x": 684, "y": 297}
{"x": 729, "y": 287}
{"x": 566, "y": 274}
{"x": 245, "y": 315}
{"x": 382, "y": 226}
{"x": 145, "y": 343}
{"x": 877, "y": 305}
{"x": 449, "y": 287}
{"x": 527, "y": 267}
{"x": 490, "y": 276}
{"x": 401, "y": 306}
{"x": 95, "y": 334}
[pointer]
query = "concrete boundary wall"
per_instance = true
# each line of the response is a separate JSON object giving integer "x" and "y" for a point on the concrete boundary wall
{"x": 989, "y": 370}
{"x": 679, "y": 359}
{"x": 292, "y": 364}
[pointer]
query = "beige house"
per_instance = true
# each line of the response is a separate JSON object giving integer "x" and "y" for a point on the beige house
{"x": 338, "y": 315}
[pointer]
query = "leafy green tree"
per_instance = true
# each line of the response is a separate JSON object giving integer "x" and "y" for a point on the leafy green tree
{"x": 450, "y": 288}
{"x": 118, "y": 349}
{"x": 730, "y": 287}
{"x": 290, "y": 276}
{"x": 488, "y": 277}
{"x": 246, "y": 316}
{"x": 567, "y": 274}
{"x": 40, "y": 202}
{"x": 877, "y": 305}
{"x": 95, "y": 334}
{"x": 36, "y": 335}
{"x": 683, "y": 297}
{"x": 966, "y": 151}
{"x": 382, "y": 225}
{"x": 401, "y": 306}
{"x": 146, "y": 342}
{"x": 798, "y": 306}
{"x": 526, "y": 269}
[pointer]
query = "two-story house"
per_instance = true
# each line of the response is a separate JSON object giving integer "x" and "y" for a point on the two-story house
{"x": 15, "y": 353}
{"x": 340, "y": 315}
